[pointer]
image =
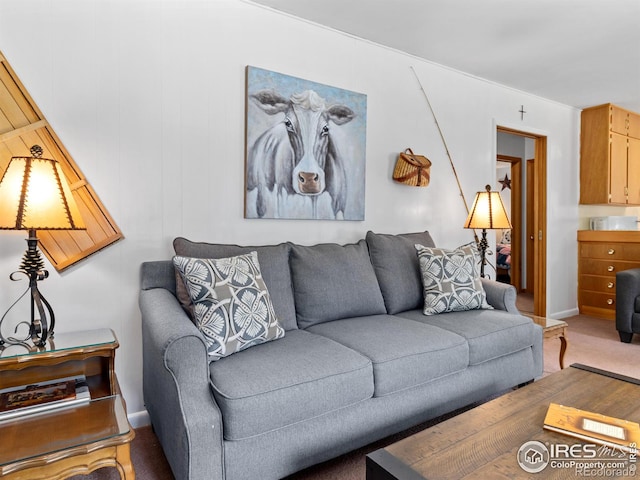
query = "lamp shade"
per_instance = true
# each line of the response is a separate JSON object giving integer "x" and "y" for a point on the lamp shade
{"x": 34, "y": 194}
{"x": 487, "y": 211}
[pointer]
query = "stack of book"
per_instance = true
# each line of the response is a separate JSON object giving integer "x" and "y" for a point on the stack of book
{"x": 42, "y": 397}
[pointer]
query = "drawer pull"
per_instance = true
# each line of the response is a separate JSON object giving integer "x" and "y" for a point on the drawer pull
{"x": 610, "y": 268}
{"x": 610, "y": 285}
{"x": 609, "y": 301}
{"x": 611, "y": 251}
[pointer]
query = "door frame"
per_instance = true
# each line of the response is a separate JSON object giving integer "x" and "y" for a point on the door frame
{"x": 516, "y": 219}
{"x": 530, "y": 228}
{"x": 539, "y": 217}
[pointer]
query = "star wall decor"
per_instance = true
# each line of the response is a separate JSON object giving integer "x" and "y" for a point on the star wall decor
{"x": 506, "y": 182}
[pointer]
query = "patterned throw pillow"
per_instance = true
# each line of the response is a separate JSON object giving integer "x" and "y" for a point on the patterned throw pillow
{"x": 451, "y": 279}
{"x": 232, "y": 306}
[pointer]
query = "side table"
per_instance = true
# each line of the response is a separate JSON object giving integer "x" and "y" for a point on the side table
{"x": 70, "y": 440}
{"x": 553, "y": 329}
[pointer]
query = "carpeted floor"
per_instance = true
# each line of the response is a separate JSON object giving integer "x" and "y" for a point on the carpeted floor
{"x": 591, "y": 341}
{"x": 595, "y": 342}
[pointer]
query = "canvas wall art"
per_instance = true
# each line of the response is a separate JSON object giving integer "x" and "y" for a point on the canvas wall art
{"x": 306, "y": 143}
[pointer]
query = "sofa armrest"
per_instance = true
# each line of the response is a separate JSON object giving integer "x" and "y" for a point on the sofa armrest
{"x": 176, "y": 388}
{"x": 500, "y": 296}
{"x": 627, "y": 289}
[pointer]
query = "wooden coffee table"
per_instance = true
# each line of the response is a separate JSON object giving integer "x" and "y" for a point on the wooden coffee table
{"x": 484, "y": 442}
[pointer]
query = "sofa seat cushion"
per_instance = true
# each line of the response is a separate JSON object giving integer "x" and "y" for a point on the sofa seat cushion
{"x": 490, "y": 333}
{"x": 285, "y": 381}
{"x": 404, "y": 353}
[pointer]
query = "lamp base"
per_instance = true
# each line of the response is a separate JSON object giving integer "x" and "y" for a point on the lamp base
{"x": 39, "y": 328}
{"x": 483, "y": 245}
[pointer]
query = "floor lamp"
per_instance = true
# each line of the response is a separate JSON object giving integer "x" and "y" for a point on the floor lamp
{"x": 487, "y": 212}
{"x": 34, "y": 195}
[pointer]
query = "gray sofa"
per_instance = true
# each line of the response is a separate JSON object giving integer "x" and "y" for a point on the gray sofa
{"x": 628, "y": 303}
{"x": 359, "y": 360}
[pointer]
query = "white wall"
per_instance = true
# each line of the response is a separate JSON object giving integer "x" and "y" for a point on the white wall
{"x": 148, "y": 97}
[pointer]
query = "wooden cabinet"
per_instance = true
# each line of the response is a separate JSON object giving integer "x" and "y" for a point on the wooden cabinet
{"x": 609, "y": 156}
{"x": 72, "y": 440}
{"x": 633, "y": 171}
{"x": 624, "y": 121}
{"x": 601, "y": 254}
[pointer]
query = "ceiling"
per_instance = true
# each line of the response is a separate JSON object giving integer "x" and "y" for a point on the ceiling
{"x": 576, "y": 52}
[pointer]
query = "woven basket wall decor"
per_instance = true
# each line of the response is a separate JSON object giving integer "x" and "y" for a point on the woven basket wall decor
{"x": 412, "y": 169}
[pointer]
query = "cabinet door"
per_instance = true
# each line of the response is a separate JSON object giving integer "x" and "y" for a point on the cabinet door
{"x": 634, "y": 125}
{"x": 619, "y": 121}
{"x": 618, "y": 169}
{"x": 633, "y": 169}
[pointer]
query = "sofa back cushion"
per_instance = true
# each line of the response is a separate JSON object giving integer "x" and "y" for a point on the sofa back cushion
{"x": 274, "y": 264}
{"x": 395, "y": 262}
{"x": 333, "y": 281}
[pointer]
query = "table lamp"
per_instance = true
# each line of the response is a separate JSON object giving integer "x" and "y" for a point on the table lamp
{"x": 487, "y": 212}
{"x": 34, "y": 195}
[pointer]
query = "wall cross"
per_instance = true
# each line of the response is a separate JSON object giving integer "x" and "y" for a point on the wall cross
{"x": 522, "y": 112}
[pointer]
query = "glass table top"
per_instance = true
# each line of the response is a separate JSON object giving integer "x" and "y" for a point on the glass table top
{"x": 59, "y": 342}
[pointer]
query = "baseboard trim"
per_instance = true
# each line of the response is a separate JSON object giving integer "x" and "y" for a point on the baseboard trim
{"x": 139, "y": 419}
{"x": 565, "y": 314}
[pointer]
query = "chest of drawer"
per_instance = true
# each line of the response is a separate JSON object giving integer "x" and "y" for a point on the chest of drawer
{"x": 606, "y": 301}
{"x": 596, "y": 283}
{"x": 605, "y": 250}
{"x": 601, "y": 255}
{"x": 593, "y": 266}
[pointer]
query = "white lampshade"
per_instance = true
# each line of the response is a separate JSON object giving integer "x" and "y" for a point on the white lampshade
{"x": 487, "y": 211}
{"x": 34, "y": 194}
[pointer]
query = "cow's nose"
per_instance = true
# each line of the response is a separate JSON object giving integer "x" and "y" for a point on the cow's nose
{"x": 309, "y": 182}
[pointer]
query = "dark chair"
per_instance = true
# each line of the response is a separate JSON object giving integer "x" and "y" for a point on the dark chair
{"x": 628, "y": 303}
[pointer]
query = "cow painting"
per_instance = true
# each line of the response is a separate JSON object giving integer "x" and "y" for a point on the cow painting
{"x": 299, "y": 160}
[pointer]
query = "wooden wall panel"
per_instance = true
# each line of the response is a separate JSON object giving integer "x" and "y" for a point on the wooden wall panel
{"x": 23, "y": 125}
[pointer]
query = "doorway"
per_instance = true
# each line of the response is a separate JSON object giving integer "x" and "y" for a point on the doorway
{"x": 509, "y": 263}
{"x": 524, "y": 154}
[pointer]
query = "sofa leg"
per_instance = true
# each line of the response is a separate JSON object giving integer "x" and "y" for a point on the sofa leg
{"x": 625, "y": 336}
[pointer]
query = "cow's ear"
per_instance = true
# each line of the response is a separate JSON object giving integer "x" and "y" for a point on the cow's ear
{"x": 270, "y": 101}
{"x": 340, "y": 114}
